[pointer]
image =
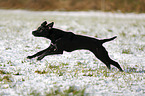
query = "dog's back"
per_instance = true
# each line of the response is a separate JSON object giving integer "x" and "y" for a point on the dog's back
{"x": 73, "y": 42}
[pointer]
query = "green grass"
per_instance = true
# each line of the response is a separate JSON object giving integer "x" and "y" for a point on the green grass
{"x": 6, "y": 78}
{"x": 126, "y": 51}
{"x": 71, "y": 91}
{"x": 41, "y": 72}
{"x": 3, "y": 72}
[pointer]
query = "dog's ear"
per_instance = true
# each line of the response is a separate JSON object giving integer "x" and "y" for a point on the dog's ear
{"x": 50, "y": 25}
{"x": 44, "y": 23}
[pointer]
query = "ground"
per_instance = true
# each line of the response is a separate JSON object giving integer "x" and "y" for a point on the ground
{"x": 76, "y": 73}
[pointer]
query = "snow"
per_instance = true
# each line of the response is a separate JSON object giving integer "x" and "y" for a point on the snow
{"x": 79, "y": 70}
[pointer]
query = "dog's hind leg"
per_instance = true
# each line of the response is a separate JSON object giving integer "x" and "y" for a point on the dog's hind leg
{"x": 103, "y": 56}
{"x": 114, "y": 63}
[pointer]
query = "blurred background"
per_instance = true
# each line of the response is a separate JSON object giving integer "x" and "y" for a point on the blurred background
{"x": 137, "y": 6}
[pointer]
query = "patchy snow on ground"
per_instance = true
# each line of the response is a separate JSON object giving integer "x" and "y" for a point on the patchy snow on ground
{"x": 76, "y": 73}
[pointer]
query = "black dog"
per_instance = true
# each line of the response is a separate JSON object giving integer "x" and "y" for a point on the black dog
{"x": 68, "y": 41}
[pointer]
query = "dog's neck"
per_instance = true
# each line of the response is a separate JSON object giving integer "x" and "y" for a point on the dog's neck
{"x": 52, "y": 34}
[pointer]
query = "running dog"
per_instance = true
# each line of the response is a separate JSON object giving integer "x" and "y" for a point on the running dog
{"x": 68, "y": 41}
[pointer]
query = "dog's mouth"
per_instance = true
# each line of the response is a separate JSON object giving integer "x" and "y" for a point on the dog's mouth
{"x": 35, "y": 33}
{"x": 40, "y": 34}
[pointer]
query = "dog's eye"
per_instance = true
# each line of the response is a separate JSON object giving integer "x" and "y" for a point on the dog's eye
{"x": 41, "y": 30}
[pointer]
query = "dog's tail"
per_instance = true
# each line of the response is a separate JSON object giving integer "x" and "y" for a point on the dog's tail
{"x": 106, "y": 40}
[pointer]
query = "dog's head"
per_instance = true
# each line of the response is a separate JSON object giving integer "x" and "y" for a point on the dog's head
{"x": 43, "y": 30}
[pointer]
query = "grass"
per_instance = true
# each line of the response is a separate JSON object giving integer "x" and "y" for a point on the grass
{"x": 141, "y": 48}
{"x": 76, "y": 73}
{"x": 52, "y": 69}
{"x": 126, "y": 51}
{"x": 71, "y": 91}
{"x": 41, "y": 72}
{"x": 63, "y": 69}
{"x": 34, "y": 93}
{"x": 3, "y": 72}
{"x": 6, "y": 78}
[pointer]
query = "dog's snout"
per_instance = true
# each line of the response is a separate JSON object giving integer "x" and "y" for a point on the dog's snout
{"x": 33, "y": 32}
{"x": 36, "y": 33}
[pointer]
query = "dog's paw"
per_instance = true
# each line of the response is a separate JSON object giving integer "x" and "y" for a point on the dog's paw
{"x": 39, "y": 58}
{"x": 29, "y": 57}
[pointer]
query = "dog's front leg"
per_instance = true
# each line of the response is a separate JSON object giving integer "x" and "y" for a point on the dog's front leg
{"x": 40, "y": 53}
{"x": 52, "y": 51}
{"x": 37, "y": 54}
{"x": 49, "y": 53}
